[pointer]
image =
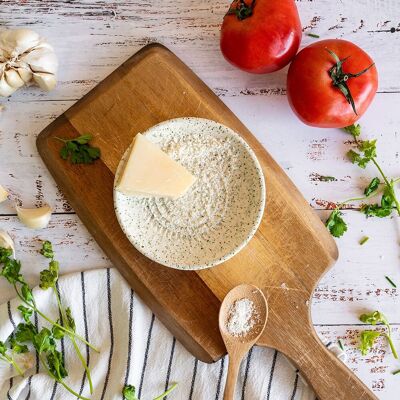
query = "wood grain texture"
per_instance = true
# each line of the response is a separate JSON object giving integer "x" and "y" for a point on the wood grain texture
{"x": 128, "y": 101}
{"x": 93, "y": 37}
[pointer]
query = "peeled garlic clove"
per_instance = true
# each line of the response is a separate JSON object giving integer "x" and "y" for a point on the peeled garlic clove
{"x": 45, "y": 81}
{"x": 6, "y": 242}
{"x": 34, "y": 218}
{"x": 41, "y": 59}
{"x": 18, "y": 41}
{"x": 13, "y": 79}
{"x": 5, "y": 89}
{"x": 3, "y": 194}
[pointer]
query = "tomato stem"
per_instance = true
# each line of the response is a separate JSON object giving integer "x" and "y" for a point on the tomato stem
{"x": 241, "y": 9}
{"x": 340, "y": 78}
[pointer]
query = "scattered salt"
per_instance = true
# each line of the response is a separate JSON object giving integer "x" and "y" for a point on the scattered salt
{"x": 242, "y": 316}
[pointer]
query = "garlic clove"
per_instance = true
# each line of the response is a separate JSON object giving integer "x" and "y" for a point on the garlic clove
{"x": 25, "y": 73}
{"x": 6, "y": 242}
{"x": 14, "y": 79}
{"x": 3, "y": 194}
{"x": 41, "y": 59}
{"x": 18, "y": 41}
{"x": 34, "y": 218}
{"x": 5, "y": 89}
{"x": 45, "y": 81}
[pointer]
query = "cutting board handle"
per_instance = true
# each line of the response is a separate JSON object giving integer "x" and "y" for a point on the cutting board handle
{"x": 327, "y": 375}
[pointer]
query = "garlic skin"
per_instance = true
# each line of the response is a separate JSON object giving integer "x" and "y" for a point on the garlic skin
{"x": 3, "y": 194}
{"x": 6, "y": 242}
{"x": 26, "y": 59}
{"x": 34, "y": 218}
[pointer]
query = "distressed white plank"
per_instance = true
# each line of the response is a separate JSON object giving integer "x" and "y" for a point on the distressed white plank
{"x": 93, "y": 37}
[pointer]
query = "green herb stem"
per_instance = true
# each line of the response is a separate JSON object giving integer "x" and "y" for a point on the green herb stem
{"x": 396, "y": 372}
{"x": 161, "y": 396}
{"x": 392, "y": 346}
{"x": 391, "y": 282}
{"x": 78, "y": 352}
{"x": 45, "y": 317}
{"x": 60, "y": 381}
{"x": 364, "y": 240}
{"x": 11, "y": 361}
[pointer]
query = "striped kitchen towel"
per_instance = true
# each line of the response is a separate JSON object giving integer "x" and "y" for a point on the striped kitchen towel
{"x": 135, "y": 348}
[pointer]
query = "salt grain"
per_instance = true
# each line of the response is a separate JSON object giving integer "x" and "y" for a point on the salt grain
{"x": 242, "y": 317}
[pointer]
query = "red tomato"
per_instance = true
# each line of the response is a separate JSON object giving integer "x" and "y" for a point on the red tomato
{"x": 261, "y": 36}
{"x": 316, "y": 97}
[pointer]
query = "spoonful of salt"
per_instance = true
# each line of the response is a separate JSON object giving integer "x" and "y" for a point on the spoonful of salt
{"x": 242, "y": 318}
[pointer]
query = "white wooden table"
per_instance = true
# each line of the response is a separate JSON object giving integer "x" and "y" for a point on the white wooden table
{"x": 93, "y": 37}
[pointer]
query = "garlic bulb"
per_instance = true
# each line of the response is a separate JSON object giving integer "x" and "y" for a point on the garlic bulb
{"x": 34, "y": 218}
{"x": 6, "y": 242}
{"x": 25, "y": 58}
{"x": 3, "y": 194}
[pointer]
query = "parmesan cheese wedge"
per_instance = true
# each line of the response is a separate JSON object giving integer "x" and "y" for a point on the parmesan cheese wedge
{"x": 149, "y": 172}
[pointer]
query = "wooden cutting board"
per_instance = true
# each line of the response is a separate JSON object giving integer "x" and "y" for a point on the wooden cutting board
{"x": 286, "y": 258}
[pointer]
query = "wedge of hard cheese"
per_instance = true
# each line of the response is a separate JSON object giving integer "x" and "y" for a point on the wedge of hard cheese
{"x": 149, "y": 172}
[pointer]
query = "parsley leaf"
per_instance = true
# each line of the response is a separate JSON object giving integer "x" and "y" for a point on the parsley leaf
{"x": 335, "y": 223}
{"x": 11, "y": 269}
{"x": 56, "y": 365}
{"x": 386, "y": 207}
{"x": 26, "y": 312}
{"x": 16, "y": 347}
{"x": 374, "y": 318}
{"x": 25, "y": 332}
{"x": 47, "y": 249}
{"x": 372, "y": 187}
{"x": 78, "y": 150}
{"x": 354, "y": 130}
{"x": 367, "y": 341}
{"x": 70, "y": 319}
{"x": 367, "y": 153}
{"x": 129, "y": 393}
{"x": 43, "y": 341}
{"x": 49, "y": 277}
{"x": 375, "y": 210}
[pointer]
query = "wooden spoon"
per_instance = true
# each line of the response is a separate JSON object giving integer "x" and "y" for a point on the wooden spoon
{"x": 239, "y": 346}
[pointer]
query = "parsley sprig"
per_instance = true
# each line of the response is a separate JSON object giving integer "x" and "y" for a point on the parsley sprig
{"x": 368, "y": 337}
{"x": 78, "y": 150}
{"x": 129, "y": 392}
{"x": 45, "y": 340}
{"x": 45, "y": 343}
{"x": 366, "y": 154}
{"x": 48, "y": 280}
{"x": 11, "y": 271}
